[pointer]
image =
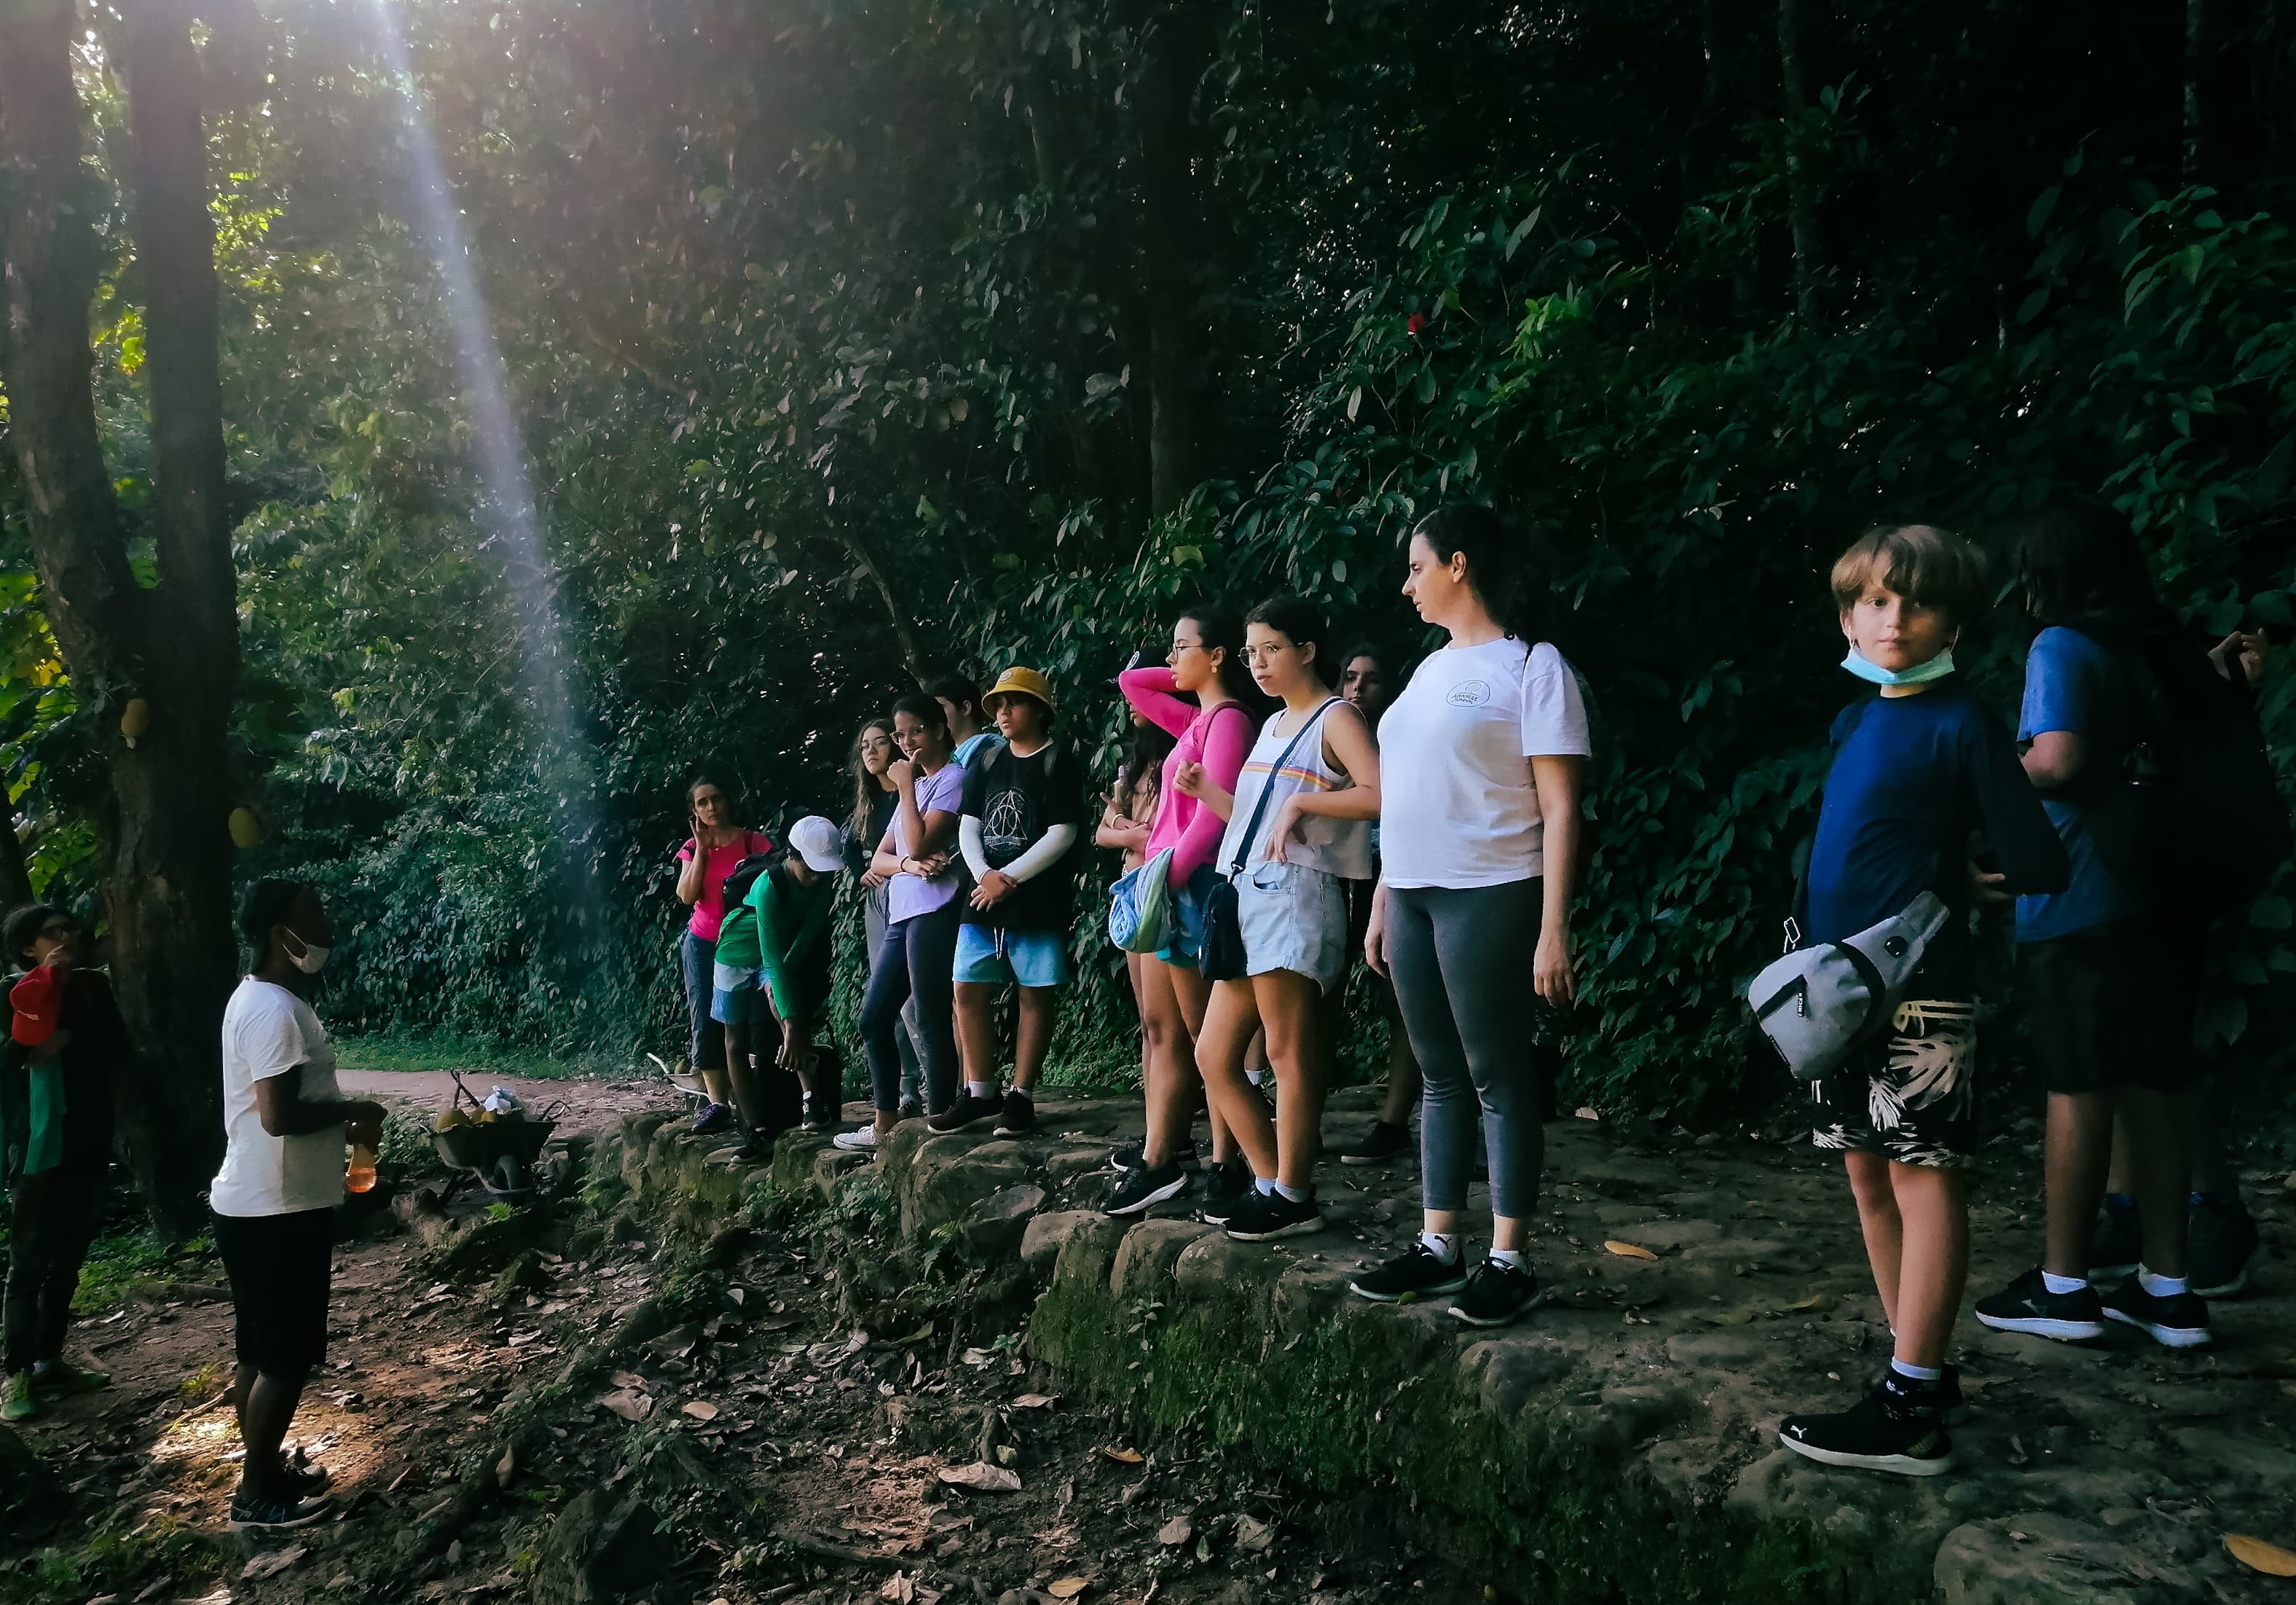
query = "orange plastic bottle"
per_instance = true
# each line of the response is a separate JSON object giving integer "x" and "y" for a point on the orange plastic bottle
{"x": 359, "y": 1177}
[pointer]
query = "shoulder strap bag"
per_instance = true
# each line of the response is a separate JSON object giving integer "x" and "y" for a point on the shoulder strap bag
{"x": 1222, "y": 957}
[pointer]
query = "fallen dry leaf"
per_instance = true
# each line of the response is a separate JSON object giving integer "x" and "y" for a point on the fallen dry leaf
{"x": 1124, "y": 1457}
{"x": 701, "y": 1409}
{"x": 279, "y": 1560}
{"x": 1729, "y": 1318}
{"x": 2256, "y": 1555}
{"x": 1176, "y": 1532}
{"x": 629, "y": 1403}
{"x": 1816, "y": 1301}
{"x": 1629, "y": 1250}
{"x": 630, "y": 1379}
{"x": 1253, "y": 1535}
{"x": 1067, "y": 1588}
{"x": 983, "y": 1476}
{"x": 1035, "y": 1402}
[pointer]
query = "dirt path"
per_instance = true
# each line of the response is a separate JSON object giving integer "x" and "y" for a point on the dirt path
{"x": 590, "y": 1105}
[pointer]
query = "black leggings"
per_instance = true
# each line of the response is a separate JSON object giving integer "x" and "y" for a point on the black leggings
{"x": 918, "y": 955}
{"x": 55, "y": 1217}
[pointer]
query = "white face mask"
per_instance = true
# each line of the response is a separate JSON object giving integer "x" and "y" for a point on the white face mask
{"x": 312, "y": 959}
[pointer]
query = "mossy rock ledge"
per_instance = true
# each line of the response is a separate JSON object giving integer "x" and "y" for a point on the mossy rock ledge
{"x": 1619, "y": 1445}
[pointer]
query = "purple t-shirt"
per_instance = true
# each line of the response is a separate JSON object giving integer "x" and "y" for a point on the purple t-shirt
{"x": 906, "y": 896}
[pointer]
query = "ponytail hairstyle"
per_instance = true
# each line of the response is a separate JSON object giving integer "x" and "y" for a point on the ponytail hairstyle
{"x": 1222, "y": 629}
{"x": 1505, "y": 569}
{"x": 866, "y": 790}
{"x": 2080, "y": 557}
{"x": 1301, "y": 622}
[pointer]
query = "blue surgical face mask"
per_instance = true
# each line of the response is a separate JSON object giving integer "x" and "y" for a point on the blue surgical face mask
{"x": 1937, "y": 667}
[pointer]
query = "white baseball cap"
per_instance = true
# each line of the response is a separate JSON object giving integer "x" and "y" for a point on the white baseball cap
{"x": 820, "y": 843}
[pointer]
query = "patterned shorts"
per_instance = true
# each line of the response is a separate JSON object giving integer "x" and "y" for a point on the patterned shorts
{"x": 1910, "y": 1097}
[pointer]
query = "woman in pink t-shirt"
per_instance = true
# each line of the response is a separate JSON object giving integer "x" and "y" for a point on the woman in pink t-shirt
{"x": 703, "y": 863}
{"x": 1215, "y": 731}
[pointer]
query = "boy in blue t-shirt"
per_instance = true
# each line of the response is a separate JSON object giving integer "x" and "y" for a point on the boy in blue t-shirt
{"x": 1917, "y": 770}
{"x": 2110, "y": 979}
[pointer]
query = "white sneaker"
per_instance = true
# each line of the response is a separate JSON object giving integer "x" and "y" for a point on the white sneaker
{"x": 863, "y": 1140}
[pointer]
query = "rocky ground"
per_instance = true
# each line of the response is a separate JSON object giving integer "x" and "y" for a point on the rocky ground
{"x": 608, "y": 1400}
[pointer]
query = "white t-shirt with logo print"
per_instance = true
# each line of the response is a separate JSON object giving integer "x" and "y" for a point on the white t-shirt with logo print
{"x": 1458, "y": 807}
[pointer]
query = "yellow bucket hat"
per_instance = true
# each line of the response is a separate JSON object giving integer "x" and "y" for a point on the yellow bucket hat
{"x": 1027, "y": 682}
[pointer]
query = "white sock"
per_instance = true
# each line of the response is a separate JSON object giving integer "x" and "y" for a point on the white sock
{"x": 1919, "y": 1373}
{"x": 1256, "y": 1077}
{"x": 1511, "y": 1258}
{"x": 2062, "y": 1284}
{"x": 981, "y": 1089}
{"x": 1443, "y": 1245}
{"x": 2159, "y": 1286}
{"x": 1296, "y": 1194}
{"x": 1266, "y": 1185}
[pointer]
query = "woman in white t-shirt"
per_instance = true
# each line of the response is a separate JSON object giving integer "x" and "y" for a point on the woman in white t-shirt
{"x": 1483, "y": 756}
{"x": 285, "y": 1127}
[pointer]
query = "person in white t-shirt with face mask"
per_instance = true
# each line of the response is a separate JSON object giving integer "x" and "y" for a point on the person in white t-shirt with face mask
{"x": 286, "y": 1125}
{"x": 1483, "y": 757}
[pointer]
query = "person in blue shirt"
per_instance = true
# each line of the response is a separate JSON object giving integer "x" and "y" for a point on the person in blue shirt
{"x": 2111, "y": 976}
{"x": 1917, "y": 771}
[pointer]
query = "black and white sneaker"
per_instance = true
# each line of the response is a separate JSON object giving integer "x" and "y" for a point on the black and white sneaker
{"x": 2027, "y": 1305}
{"x": 263, "y": 1512}
{"x": 1126, "y": 1156}
{"x": 1136, "y": 1190}
{"x": 1953, "y": 1410}
{"x": 2176, "y": 1320}
{"x": 1898, "y": 1426}
{"x": 1497, "y": 1295}
{"x": 1227, "y": 1187}
{"x": 1263, "y": 1217}
{"x": 821, "y": 1113}
{"x": 1416, "y": 1273}
{"x": 1019, "y": 1116}
{"x": 967, "y": 1108}
{"x": 1385, "y": 1143}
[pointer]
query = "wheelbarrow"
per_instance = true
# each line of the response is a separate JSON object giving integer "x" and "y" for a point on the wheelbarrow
{"x": 499, "y": 1154}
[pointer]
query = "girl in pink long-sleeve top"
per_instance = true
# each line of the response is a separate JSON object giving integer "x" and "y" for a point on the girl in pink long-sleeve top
{"x": 1215, "y": 732}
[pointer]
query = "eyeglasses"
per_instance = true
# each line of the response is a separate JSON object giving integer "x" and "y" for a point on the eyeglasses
{"x": 1266, "y": 649}
{"x": 56, "y": 929}
{"x": 1180, "y": 646}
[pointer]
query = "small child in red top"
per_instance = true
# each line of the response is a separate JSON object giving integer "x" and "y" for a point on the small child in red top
{"x": 37, "y": 1002}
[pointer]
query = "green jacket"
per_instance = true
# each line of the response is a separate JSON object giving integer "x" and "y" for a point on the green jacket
{"x": 781, "y": 930}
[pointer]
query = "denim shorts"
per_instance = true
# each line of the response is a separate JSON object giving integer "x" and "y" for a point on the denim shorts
{"x": 1293, "y": 918}
{"x": 993, "y": 957}
{"x": 1183, "y": 924}
{"x": 735, "y": 998}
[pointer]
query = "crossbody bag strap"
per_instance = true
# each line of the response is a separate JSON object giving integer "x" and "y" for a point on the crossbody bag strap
{"x": 1268, "y": 786}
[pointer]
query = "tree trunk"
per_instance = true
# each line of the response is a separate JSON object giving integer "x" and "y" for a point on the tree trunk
{"x": 168, "y": 855}
{"x": 1801, "y": 185}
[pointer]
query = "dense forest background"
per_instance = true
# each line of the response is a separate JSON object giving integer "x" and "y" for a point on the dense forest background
{"x": 843, "y": 341}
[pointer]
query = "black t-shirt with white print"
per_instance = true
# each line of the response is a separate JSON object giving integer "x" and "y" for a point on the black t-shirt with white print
{"x": 1017, "y": 800}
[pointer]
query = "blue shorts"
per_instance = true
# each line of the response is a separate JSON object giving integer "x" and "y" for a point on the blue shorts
{"x": 1183, "y": 927}
{"x": 994, "y": 956}
{"x": 735, "y": 998}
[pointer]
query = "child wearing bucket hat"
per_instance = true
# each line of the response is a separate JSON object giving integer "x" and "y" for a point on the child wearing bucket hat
{"x": 1024, "y": 809}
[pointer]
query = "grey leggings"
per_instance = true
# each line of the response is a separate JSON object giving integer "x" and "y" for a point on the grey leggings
{"x": 1461, "y": 959}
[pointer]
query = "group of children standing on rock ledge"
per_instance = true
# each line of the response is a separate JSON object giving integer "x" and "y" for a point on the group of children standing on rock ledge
{"x": 1275, "y": 821}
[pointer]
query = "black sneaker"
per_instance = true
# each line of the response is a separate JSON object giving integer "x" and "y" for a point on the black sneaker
{"x": 302, "y": 1479}
{"x": 1227, "y": 1188}
{"x": 1898, "y": 1426}
{"x": 963, "y": 1112}
{"x": 756, "y": 1148}
{"x": 2219, "y": 1242}
{"x": 1136, "y": 1190}
{"x": 1952, "y": 1408}
{"x": 821, "y": 1113}
{"x": 1264, "y": 1217}
{"x": 2176, "y": 1320}
{"x": 1126, "y": 1156}
{"x": 1019, "y": 1116}
{"x": 252, "y": 1512}
{"x": 1387, "y": 1142}
{"x": 2116, "y": 1243}
{"x": 1497, "y": 1295}
{"x": 1414, "y": 1274}
{"x": 2027, "y": 1305}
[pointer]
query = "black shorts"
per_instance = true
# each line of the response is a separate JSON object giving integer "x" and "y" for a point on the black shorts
{"x": 2112, "y": 1006}
{"x": 1910, "y": 1097}
{"x": 279, "y": 1267}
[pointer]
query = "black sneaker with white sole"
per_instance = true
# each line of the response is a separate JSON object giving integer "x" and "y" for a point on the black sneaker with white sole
{"x": 1953, "y": 1410}
{"x": 1136, "y": 1190}
{"x": 968, "y": 1108}
{"x": 1227, "y": 1188}
{"x": 1416, "y": 1273}
{"x": 1127, "y": 1155}
{"x": 1497, "y": 1295}
{"x": 1263, "y": 1217}
{"x": 2027, "y": 1305}
{"x": 264, "y": 1512}
{"x": 1020, "y": 1116}
{"x": 1385, "y": 1143}
{"x": 2174, "y": 1319}
{"x": 1898, "y": 1426}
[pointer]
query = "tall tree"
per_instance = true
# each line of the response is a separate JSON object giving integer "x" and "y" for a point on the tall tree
{"x": 171, "y": 646}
